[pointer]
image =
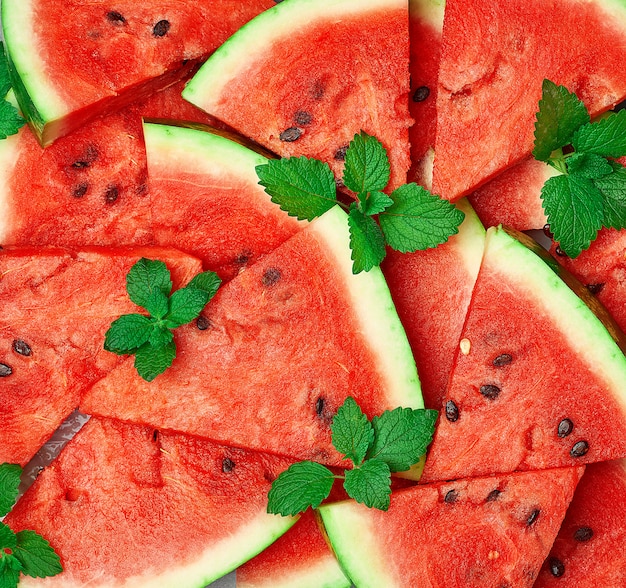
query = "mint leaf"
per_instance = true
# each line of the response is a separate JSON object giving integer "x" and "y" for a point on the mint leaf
{"x": 145, "y": 276}
{"x": 352, "y": 433}
{"x": 606, "y": 137}
{"x": 10, "y": 120}
{"x": 560, "y": 114}
{"x": 302, "y": 187}
{"x": 8, "y": 539}
{"x": 370, "y": 484}
{"x": 366, "y": 165}
{"x": 366, "y": 241}
{"x": 418, "y": 220}
{"x": 588, "y": 165}
{"x": 151, "y": 361}
{"x": 613, "y": 189}
{"x": 401, "y": 436}
{"x": 160, "y": 336}
{"x": 127, "y": 333}
{"x": 37, "y": 557}
{"x": 207, "y": 281}
{"x": 157, "y": 303}
{"x": 5, "y": 76}
{"x": 9, "y": 486}
{"x": 375, "y": 203}
{"x": 303, "y": 484}
{"x": 185, "y": 305}
{"x": 10, "y": 569}
{"x": 573, "y": 205}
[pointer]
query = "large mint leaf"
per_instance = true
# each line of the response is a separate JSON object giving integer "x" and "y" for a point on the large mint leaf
{"x": 366, "y": 241}
{"x": 352, "y": 432}
{"x": 606, "y": 137}
{"x": 370, "y": 484}
{"x": 366, "y": 165}
{"x": 145, "y": 276}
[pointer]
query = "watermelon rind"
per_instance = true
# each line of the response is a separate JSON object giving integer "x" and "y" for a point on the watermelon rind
{"x": 8, "y": 158}
{"x": 430, "y": 12}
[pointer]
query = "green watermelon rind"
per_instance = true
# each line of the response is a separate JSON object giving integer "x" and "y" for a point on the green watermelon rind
{"x": 231, "y": 59}
{"x": 428, "y": 12}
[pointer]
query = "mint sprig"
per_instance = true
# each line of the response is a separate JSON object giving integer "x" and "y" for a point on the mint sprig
{"x": 10, "y": 119}
{"x": 408, "y": 219}
{"x": 391, "y": 442}
{"x": 150, "y": 338}
{"x": 25, "y": 552}
{"x": 590, "y": 191}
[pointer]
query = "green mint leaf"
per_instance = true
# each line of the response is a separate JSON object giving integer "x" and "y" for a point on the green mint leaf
{"x": 352, "y": 433}
{"x": 207, "y": 281}
{"x": 10, "y": 120}
{"x": 303, "y": 484}
{"x": 9, "y": 486}
{"x": 560, "y": 114}
{"x": 10, "y": 569}
{"x": 588, "y": 165}
{"x": 605, "y": 137}
{"x": 366, "y": 165}
{"x": 366, "y": 241}
{"x": 127, "y": 333}
{"x": 8, "y": 539}
{"x": 418, "y": 220}
{"x": 160, "y": 336}
{"x": 575, "y": 211}
{"x": 37, "y": 557}
{"x": 370, "y": 484}
{"x": 185, "y": 305}
{"x": 157, "y": 303}
{"x": 144, "y": 277}
{"x": 5, "y": 76}
{"x": 302, "y": 187}
{"x": 151, "y": 361}
{"x": 613, "y": 188}
{"x": 401, "y": 436}
{"x": 375, "y": 203}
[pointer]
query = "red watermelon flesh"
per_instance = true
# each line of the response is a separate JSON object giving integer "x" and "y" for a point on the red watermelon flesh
{"x": 494, "y": 531}
{"x": 588, "y": 549}
{"x": 535, "y": 373}
{"x": 494, "y": 58}
{"x": 57, "y": 305}
{"x": 151, "y": 508}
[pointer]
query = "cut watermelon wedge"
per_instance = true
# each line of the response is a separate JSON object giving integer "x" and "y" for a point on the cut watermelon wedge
{"x": 287, "y": 341}
{"x": 126, "y": 505}
{"x": 72, "y": 63}
{"x": 535, "y": 373}
{"x": 483, "y": 532}
{"x": 267, "y": 82}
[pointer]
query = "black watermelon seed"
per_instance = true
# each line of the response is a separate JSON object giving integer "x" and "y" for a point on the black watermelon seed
{"x": 5, "y": 370}
{"x": 155, "y": 435}
{"x": 565, "y": 428}
{"x": 243, "y": 257}
{"x": 532, "y": 517}
{"x": 579, "y": 449}
{"x": 270, "y": 276}
{"x": 547, "y": 231}
{"x": 203, "y": 323}
{"x": 493, "y": 495}
{"x": 112, "y": 194}
{"x": 228, "y": 465}
{"x": 583, "y": 534}
{"x": 290, "y": 135}
{"x": 451, "y": 496}
{"x": 340, "y": 154}
{"x": 161, "y": 28}
{"x": 421, "y": 94}
{"x": 303, "y": 118}
{"x": 452, "y": 411}
{"x": 20, "y": 346}
{"x": 80, "y": 190}
{"x": 557, "y": 569}
{"x": 490, "y": 391}
{"x": 560, "y": 252}
{"x": 595, "y": 288}
{"x": 115, "y": 17}
{"x": 502, "y": 360}
{"x": 319, "y": 406}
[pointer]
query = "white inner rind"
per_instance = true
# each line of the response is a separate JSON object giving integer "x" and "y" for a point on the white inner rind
{"x": 268, "y": 28}
{"x": 430, "y": 12}
{"x": 470, "y": 239}
{"x": 8, "y": 159}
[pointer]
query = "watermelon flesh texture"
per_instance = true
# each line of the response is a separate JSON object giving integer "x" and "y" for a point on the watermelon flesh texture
{"x": 89, "y": 59}
{"x": 191, "y": 510}
{"x": 494, "y": 58}
{"x": 587, "y": 552}
{"x": 57, "y": 305}
{"x": 432, "y": 309}
{"x": 490, "y": 531}
{"x": 535, "y": 366}
{"x": 304, "y": 77}
{"x": 286, "y": 343}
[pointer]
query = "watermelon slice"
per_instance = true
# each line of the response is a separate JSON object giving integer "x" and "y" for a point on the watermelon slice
{"x": 57, "y": 305}
{"x": 206, "y": 199}
{"x": 89, "y": 58}
{"x": 494, "y": 58}
{"x": 492, "y": 531}
{"x": 586, "y": 552}
{"x": 433, "y": 310}
{"x": 287, "y": 341}
{"x": 152, "y": 508}
{"x": 305, "y": 76}
{"x": 535, "y": 373}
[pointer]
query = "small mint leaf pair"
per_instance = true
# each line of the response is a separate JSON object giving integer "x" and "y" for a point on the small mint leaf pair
{"x": 10, "y": 119}
{"x": 408, "y": 219}
{"x": 591, "y": 191}
{"x": 391, "y": 442}
{"x": 150, "y": 338}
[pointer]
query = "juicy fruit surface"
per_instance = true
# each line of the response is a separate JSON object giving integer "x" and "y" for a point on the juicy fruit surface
{"x": 169, "y": 495}
{"x": 493, "y": 531}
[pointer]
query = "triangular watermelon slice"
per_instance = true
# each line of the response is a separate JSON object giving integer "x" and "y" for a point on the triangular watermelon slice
{"x": 282, "y": 346}
{"x": 56, "y": 307}
{"x": 494, "y": 58}
{"x": 126, "y": 505}
{"x": 268, "y": 83}
{"x": 535, "y": 373}
{"x": 482, "y": 532}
